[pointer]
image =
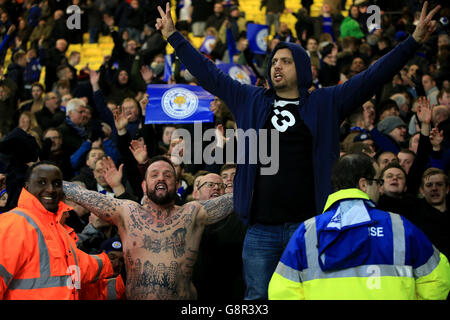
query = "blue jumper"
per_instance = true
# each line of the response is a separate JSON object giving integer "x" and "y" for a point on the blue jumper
{"x": 322, "y": 110}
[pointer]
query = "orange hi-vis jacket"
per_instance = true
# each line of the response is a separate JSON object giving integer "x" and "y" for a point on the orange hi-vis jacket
{"x": 38, "y": 258}
{"x": 103, "y": 289}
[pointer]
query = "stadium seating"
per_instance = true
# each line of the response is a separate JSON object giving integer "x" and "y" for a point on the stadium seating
{"x": 93, "y": 54}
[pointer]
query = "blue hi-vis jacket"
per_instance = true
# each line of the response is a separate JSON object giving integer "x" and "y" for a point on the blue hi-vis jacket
{"x": 354, "y": 251}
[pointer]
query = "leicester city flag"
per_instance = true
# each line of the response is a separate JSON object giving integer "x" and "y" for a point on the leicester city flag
{"x": 257, "y": 37}
{"x": 178, "y": 103}
{"x": 208, "y": 44}
{"x": 238, "y": 72}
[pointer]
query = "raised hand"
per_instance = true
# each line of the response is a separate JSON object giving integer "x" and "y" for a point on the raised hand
{"x": 94, "y": 77}
{"x": 18, "y": 42}
{"x": 120, "y": 120}
{"x": 106, "y": 130}
{"x": 112, "y": 176}
{"x": 11, "y": 29}
{"x": 424, "y": 110}
{"x": 178, "y": 150}
{"x": 426, "y": 26}
{"x": 143, "y": 103}
{"x": 165, "y": 23}
{"x": 147, "y": 74}
{"x": 436, "y": 138}
{"x": 139, "y": 151}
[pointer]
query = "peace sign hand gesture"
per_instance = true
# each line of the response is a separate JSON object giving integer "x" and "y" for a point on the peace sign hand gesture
{"x": 165, "y": 23}
{"x": 426, "y": 26}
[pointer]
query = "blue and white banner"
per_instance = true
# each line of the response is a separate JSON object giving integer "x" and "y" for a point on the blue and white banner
{"x": 178, "y": 103}
{"x": 257, "y": 37}
{"x": 168, "y": 66}
{"x": 208, "y": 44}
{"x": 243, "y": 74}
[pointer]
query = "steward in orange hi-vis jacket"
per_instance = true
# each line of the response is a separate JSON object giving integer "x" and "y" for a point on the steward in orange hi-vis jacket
{"x": 38, "y": 259}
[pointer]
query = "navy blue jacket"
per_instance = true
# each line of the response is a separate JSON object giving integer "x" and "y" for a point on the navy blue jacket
{"x": 323, "y": 110}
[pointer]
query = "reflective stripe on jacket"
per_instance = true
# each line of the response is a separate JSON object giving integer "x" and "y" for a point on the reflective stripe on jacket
{"x": 104, "y": 289}
{"x": 39, "y": 260}
{"x": 354, "y": 251}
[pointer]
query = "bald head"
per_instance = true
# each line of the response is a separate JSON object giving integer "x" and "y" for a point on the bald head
{"x": 209, "y": 186}
{"x": 61, "y": 45}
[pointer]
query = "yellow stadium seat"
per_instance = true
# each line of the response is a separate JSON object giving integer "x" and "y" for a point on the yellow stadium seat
{"x": 91, "y": 50}
{"x": 95, "y": 66}
{"x": 89, "y": 46}
{"x": 105, "y": 39}
{"x": 109, "y": 45}
{"x": 42, "y": 78}
{"x": 197, "y": 41}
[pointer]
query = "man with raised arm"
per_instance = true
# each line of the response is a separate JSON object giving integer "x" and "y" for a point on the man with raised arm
{"x": 308, "y": 128}
{"x": 160, "y": 240}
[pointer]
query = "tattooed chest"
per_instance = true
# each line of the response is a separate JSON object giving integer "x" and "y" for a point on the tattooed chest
{"x": 161, "y": 236}
{"x": 171, "y": 244}
{"x": 142, "y": 221}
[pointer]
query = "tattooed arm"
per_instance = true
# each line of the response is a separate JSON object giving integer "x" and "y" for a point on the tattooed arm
{"x": 106, "y": 208}
{"x": 216, "y": 209}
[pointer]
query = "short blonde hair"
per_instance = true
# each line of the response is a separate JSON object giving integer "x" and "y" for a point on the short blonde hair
{"x": 431, "y": 172}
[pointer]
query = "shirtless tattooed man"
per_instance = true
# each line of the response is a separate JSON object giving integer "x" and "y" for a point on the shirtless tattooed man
{"x": 160, "y": 240}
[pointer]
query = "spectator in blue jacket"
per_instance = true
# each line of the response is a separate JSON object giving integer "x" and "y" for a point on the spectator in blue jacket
{"x": 34, "y": 13}
{"x": 33, "y": 68}
{"x": 308, "y": 127}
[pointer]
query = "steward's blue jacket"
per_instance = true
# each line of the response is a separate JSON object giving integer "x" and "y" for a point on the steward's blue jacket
{"x": 322, "y": 110}
{"x": 354, "y": 251}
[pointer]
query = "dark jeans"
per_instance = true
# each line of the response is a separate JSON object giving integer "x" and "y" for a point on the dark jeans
{"x": 263, "y": 247}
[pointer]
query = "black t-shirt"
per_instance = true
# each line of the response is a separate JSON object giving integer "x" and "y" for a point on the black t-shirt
{"x": 288, "y": 196}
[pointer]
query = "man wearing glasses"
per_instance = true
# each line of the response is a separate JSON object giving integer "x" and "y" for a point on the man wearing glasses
{"x": 354, "y": 251}
{"x": 209, "y": 186}
{"x": 220, "y": 250}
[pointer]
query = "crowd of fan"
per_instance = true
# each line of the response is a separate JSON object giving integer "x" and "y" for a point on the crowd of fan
{"x": 92, "y": 122}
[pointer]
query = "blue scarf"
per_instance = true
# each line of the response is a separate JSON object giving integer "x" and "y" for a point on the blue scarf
{"x": 80, "y": 130}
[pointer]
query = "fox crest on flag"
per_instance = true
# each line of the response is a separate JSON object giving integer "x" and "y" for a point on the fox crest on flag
{"x": 243, "y": 74}
{"x": 178, "y": 104}
{"x": 257, "y": 37}
{"x": 208, "y": 44}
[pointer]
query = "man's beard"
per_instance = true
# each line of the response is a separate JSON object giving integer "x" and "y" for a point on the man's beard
{"x": 163, "y": 200}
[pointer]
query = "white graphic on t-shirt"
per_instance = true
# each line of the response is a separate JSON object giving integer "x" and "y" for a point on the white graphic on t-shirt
{"x": 283, "y": 103}
{"x": 284, "y": 124}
